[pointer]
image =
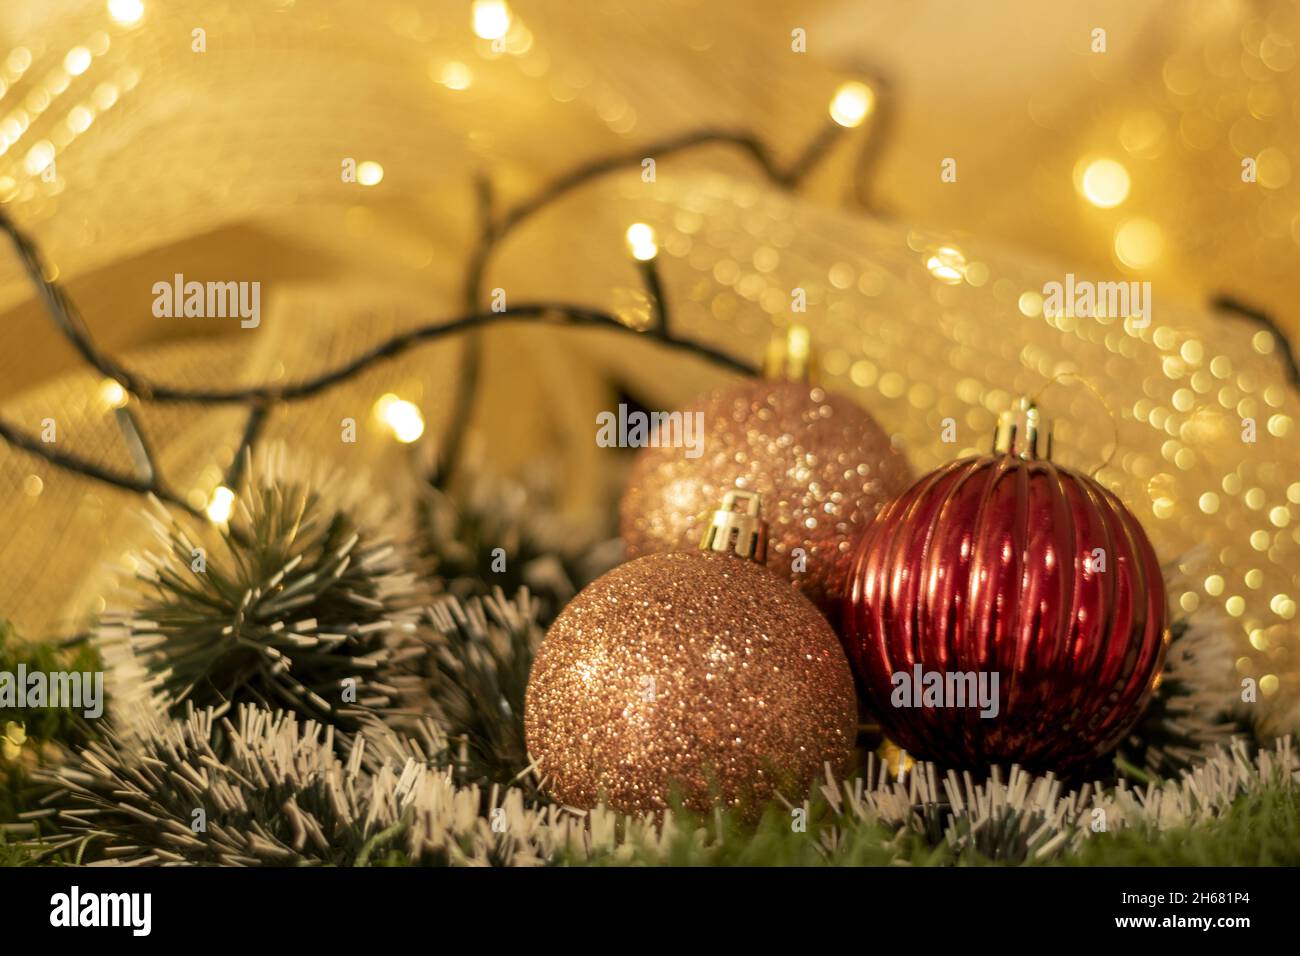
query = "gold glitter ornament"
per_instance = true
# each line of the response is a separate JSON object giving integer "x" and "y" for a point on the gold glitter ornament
{"x": 700, "y": 674}
{"x": 822, "y": 464}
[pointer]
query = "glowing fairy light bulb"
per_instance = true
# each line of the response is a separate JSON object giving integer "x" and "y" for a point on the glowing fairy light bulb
{"x": 491, "y": 19}
{"x": 112, "y": 394}
{"x": 126, "y": 12}
{"x": 402, "y": 418}
{"x": 370, "y": 173}
{"x": 852, "y": 104}
{"x": 1103, "y": 182}
{"x": 641, "y": 241}
{"x": 221, "y": 505}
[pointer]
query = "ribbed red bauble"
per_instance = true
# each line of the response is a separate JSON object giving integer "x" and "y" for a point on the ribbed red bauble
{"x": 1006, "y": 567}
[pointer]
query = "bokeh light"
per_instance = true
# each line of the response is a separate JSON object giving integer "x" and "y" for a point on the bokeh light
{"x": 112, "y": 394}
{"x": 642, "y": 242}
{"x": 221, "y": 505}
{"x": 455, "y": 76}
{"x": 1139, "y": 243}
{"x": 491, "y": 19}
{"x": 126, "y": 12}
{"x": 401, "y": 417}
{"x": 1103, "y": 182}
{"x": 852, "y": 103}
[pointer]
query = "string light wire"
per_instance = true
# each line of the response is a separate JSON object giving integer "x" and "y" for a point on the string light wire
{"x": 260, "y": 399}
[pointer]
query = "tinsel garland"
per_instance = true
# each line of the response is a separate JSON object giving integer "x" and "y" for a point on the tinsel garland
{"x": 477, "y": 667}
{"x": 274, "y": 791}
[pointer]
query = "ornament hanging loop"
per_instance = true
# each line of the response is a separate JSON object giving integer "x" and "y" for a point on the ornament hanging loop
{"x": 742, "y": 532}
{"x": 790, "y": 357}
{"x": 1024, "y": 432}
{"x": 1059, "y": 379}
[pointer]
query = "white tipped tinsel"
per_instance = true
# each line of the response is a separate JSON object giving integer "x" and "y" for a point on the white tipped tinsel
{"x": 1025, "y": 817}
{"x": 270, "y": 789}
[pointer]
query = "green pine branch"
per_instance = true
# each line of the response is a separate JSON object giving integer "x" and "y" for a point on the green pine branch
{"x": 303, "y": 604}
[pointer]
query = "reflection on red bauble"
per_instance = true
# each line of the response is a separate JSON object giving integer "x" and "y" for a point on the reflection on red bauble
{"x": 1006, "y": 565}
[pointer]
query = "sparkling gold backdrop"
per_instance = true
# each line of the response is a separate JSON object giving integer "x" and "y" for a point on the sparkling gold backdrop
{"x": 132, "y": 157}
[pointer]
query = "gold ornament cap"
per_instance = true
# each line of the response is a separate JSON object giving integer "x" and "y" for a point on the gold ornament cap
{"x": 740, "y": 532}
{"x": 1023, "y": 431}
{"x": 790, "y": 357}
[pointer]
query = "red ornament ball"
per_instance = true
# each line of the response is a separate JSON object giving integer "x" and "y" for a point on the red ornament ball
{"x": 1006, "y": 567}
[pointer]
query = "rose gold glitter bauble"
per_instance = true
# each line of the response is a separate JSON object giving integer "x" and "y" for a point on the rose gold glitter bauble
{"x": 822, "y": 464}
{"x": 694, "y": 673}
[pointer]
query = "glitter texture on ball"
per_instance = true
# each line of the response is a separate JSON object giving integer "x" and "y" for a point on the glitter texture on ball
{"x": 822, "y": 464}
{"x": 695, "y": 673}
